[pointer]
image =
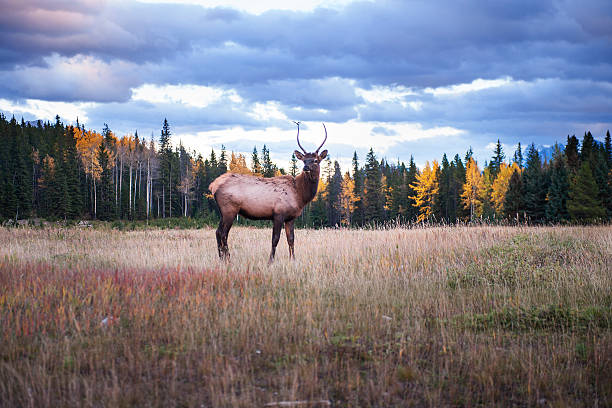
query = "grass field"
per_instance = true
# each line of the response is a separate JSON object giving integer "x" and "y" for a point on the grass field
{"x": 465, "y": 316}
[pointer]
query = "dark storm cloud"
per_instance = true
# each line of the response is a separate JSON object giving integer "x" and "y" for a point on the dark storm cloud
{"x": 310, "y": 64}
{"x": 416, "y": 44}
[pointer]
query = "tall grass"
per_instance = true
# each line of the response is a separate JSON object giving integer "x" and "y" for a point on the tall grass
{"x": 441, "y": 316}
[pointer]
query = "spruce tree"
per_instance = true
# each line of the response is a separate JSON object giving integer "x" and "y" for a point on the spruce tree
{"x": 583, "y": 204}
{"x": 293, "y": 169}
{"x": 534, "y": 186}
{"x": 255, "y": 163}
{"x": 496, "y": 161}
{"x": 556, "y": 205}
{"x": 358, "y": 214}
{"x": 223, "y": 161}
{"x": 373, "y": 205}
{"x": 268, "y": 168}
{"x": 571, "y": 154}
{"x": 106, "y": 200}
{"x": 513, "y": 201}
{"x": 518, "y": 156}
{"x": 443, "y": 209}
{"x": 334, "y": 189}
{"x": 608, "y": 149}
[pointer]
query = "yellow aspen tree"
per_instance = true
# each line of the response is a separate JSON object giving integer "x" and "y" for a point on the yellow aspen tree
{"x": 426, "y": 188}
{"x": 471, "y": 189}
{"x": 238, "y": 164}
{"x": 347, "y": 199}
{"x": 500, "y": 186}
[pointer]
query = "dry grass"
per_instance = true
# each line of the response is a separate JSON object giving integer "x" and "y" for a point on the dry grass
{"x": 423, "y": 317}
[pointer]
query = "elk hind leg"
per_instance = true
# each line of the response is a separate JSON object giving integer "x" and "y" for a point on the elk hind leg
{"x": 222, "y": 231}
{"x": 289, "y": 230}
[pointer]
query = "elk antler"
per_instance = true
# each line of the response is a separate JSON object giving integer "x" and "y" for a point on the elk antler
{"x": 317, "y": 151}
{"x": 298, "y": 136}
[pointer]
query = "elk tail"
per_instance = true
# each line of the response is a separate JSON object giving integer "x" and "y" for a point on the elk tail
{"x": 218, "y": 182}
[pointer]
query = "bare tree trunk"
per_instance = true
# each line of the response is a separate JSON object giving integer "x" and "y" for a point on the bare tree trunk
{"x": 164, "y": 201}
{"x": 130, "y": 194}
{"x": 120, "y": 185}
{"x": 148, "y": 186}
{"x": 95, "y": 199}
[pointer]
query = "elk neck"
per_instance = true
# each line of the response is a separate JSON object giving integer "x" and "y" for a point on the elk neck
{"x": 307, "y": 185}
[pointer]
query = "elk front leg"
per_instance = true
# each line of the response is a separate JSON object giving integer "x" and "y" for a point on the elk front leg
{"x": 290, "y": 237}
{"x": 276, "y": 230}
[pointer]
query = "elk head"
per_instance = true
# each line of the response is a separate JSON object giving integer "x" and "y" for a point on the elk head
{"x": 311, "y": 160}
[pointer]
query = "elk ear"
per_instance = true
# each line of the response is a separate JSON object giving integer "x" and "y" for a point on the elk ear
{"x": 323, "y": 155}
{"x": 299, "y": 155}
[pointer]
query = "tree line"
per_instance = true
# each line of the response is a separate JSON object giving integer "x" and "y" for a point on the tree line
{"x": 58, "y": 171}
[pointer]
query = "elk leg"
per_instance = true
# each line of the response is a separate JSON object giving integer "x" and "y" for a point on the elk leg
{"x": 222, "y": 231}
{"x": 276, "y": 230}
{"x": 290, "y": 237}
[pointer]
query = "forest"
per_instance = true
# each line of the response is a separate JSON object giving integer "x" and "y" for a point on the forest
{"x": 56, "y": 171}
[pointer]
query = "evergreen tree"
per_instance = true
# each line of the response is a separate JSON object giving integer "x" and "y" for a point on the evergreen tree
{"x": 334, "y": 190}
{"x": 445, "y": 199}
{"x": 293, "y": 169}
{"x": 223, "y": 161}
{"x": 373, "y": 198}
{"x": 571, "y": 154}
{"x": 556, "y": 205}
{"x": 255, "y": 163}
{"x": 268, "y": 168}
{"x": 518, "y": 156}
{"x": 583, "y": 204}
{"x": 496, "y": 161}
{"x": 513, "y": 201}
{"x": 358, "y": 213}
{"x": 608, "y": 149}
{"x": 72, "y": 175}
{"x": 588, "y": 147}
{"x": 534, "y": 186}
{"x": 106, "y": 200}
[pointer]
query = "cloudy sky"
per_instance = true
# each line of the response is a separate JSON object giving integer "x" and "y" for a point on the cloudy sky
{"x": 403, "y": 77}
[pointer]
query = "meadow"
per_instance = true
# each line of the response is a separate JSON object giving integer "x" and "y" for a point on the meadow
{"x": 439, "y": 316}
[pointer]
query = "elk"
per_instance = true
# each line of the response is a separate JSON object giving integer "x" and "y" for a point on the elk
{"x": 280, "y": 199}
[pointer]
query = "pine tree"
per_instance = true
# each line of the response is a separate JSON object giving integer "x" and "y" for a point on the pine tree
{"x": 608, "y": 149}
{"x": 583, "y": 204}
{"x": 534, "y": 186}
{"x": 513, "y": 201}
{"x": 106, "y": 201}
{"x": 556, "y": 204}
{"x": 268, "y": 168}
{"x": 445, "y": 199}
{"x": 223, "y": 161}
{"x": 497, "y": 160}
{"x": 255, "y": 163}
{"x": 571, "y": 154}
{"x": 457, "y": 189}
{"x": 334, "y": 190}
{"x": 412, "y": 210}
{"x": 293, "y": 169}
{"x": 373, "y": 197}
{"x": 358, "y": 213}
{"x": 518, "y": 156}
